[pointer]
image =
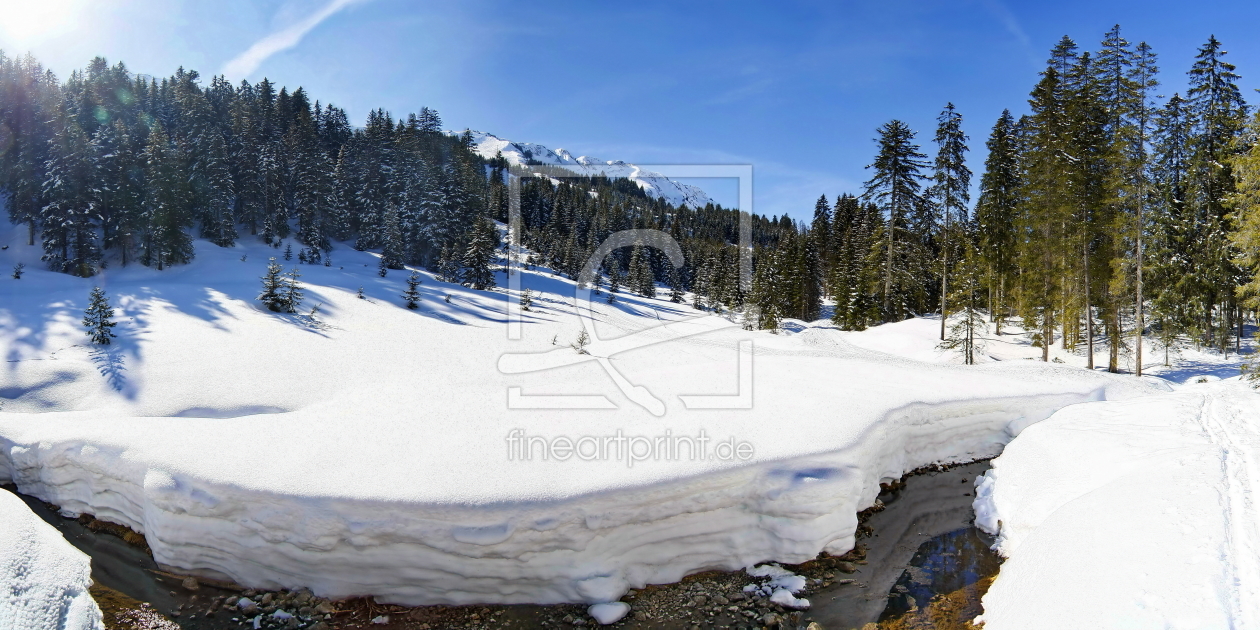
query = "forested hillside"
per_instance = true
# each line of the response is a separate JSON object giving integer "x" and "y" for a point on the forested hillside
{"x": 1105, "y": 210}
{"x": 110, "y": 167}
{"x": 1100, "y": 213}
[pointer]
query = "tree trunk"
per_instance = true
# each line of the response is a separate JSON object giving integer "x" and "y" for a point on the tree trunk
{"x": 1089, "y": 320}
{"x": 1141, "y": 313}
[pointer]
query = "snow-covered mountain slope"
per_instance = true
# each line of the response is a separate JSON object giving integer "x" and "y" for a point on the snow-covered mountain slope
{"x": 44, "y": 580}
{"x": 654, "y": 184}
{"x": 370, "y": 450}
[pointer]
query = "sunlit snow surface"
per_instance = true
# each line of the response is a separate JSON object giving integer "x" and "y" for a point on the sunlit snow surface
{"x": 364, "y": 452}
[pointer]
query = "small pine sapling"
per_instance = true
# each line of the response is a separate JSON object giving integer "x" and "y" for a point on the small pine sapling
{"x": 288, "y": 252}
{"x": 361, "y": 294}
{"x": 582, "y": 340}
{"x": 527, "y": 299}
{"x": 382, "y": 268}
{"x": 98, "y": 318}
{"x": 17, "y": 271}
{"x": 272, "y": 295}
{"x": 411, "y": 297}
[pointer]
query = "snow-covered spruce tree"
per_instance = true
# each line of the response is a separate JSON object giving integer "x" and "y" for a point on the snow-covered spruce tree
{"x": 166, "y": 203}
{"x": 411, "y": 295}
{"x": 288, "y": 252}
{"x": 273, "y": 282}
{"x": 70, "y": 214}
{"x": 1245, "y": 204}
{"x": 966, "y": 334}
{"x": 392, "y": 249}
{"x": 478, "y": 272}
{"x": 641, "y": 280}
{"x": 219, "y": 222}
{"x": 527, "y": 299}
{"x": 951, "y": 182}
{"x": 448, "y": 269}
{"x": 995, "y": 215}
{"x": 98, "y": 318}
{"x": 17, "y": 271}
{"x": 896, "y": 187}
{"x": 291, "y": 292}
{"x": 675, "y": 285}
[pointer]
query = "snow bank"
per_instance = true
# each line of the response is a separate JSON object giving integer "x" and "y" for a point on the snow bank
{"x": 43, "y": 579}
{"x": 366, "y": 452}
{"x": 1140, "y": 513}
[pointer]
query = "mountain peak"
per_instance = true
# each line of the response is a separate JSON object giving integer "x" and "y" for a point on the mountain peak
{"x": 654, "y": 184}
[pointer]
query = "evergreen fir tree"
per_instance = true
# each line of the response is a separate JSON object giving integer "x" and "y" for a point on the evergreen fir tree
{"x": 166, "y": 204}
{"x": 411, "y": 296}
{"x": 288, "y": 252}
{"x": 273, "y": 287}
{"x": 896, "y": 186}
{"x": 966, "y": 333}
{"x": 98, "y": 318}
{"x": 477, "y": 272}
{"x": 996, "y": 210}
{"x": 291, "y": 291}
{"x": 69, "y": 217}
{"x": 17, "y": 271}
{"x": 952, "y": 182}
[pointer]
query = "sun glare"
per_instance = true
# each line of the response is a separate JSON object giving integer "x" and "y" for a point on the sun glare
{"x": 25, "y": 21}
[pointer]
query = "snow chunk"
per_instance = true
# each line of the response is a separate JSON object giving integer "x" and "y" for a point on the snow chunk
{"x": 786, "y": 599}
{"x": 611, "y": 612}
{"x": 44, "y": 580}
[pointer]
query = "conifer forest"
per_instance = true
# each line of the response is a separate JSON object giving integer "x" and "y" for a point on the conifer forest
{"x": 1108, "y": 213}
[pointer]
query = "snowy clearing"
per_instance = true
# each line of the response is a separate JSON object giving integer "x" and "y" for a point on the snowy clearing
{"x": 365, "y": 451}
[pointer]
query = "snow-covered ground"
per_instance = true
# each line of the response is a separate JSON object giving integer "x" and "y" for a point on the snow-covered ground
{"x": 654, "y": 184}
{"x": 44, "y": 580}
{"x": 1140, "y": 513}
{"x": 368, "y": 450}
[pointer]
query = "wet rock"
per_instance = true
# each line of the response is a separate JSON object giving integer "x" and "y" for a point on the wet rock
{"x": 814, "y": 625}
{"x": 190, "y": 583}
{"x": 699, "y": 600}
{"x": 324, "y": 608}
{"x": 846, "y": 567}
{"x": 721, "y": 601}
{"x": 266, "y": 599}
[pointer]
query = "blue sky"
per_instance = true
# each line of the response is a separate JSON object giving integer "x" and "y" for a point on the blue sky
{"x": 794, "y": 88}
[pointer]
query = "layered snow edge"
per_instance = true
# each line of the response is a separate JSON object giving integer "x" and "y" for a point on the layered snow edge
{"x": 590, "y": 548}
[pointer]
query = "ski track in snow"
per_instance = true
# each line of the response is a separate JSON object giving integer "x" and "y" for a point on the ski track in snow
{"x": 1222, "y": 423}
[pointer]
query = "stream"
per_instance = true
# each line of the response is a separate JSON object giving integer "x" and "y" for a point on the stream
{"x": 921, "y": 546}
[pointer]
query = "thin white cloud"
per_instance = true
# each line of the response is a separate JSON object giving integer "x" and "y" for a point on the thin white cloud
{"x": 247, "y": 62}
{"x": 1008, "y": 20}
